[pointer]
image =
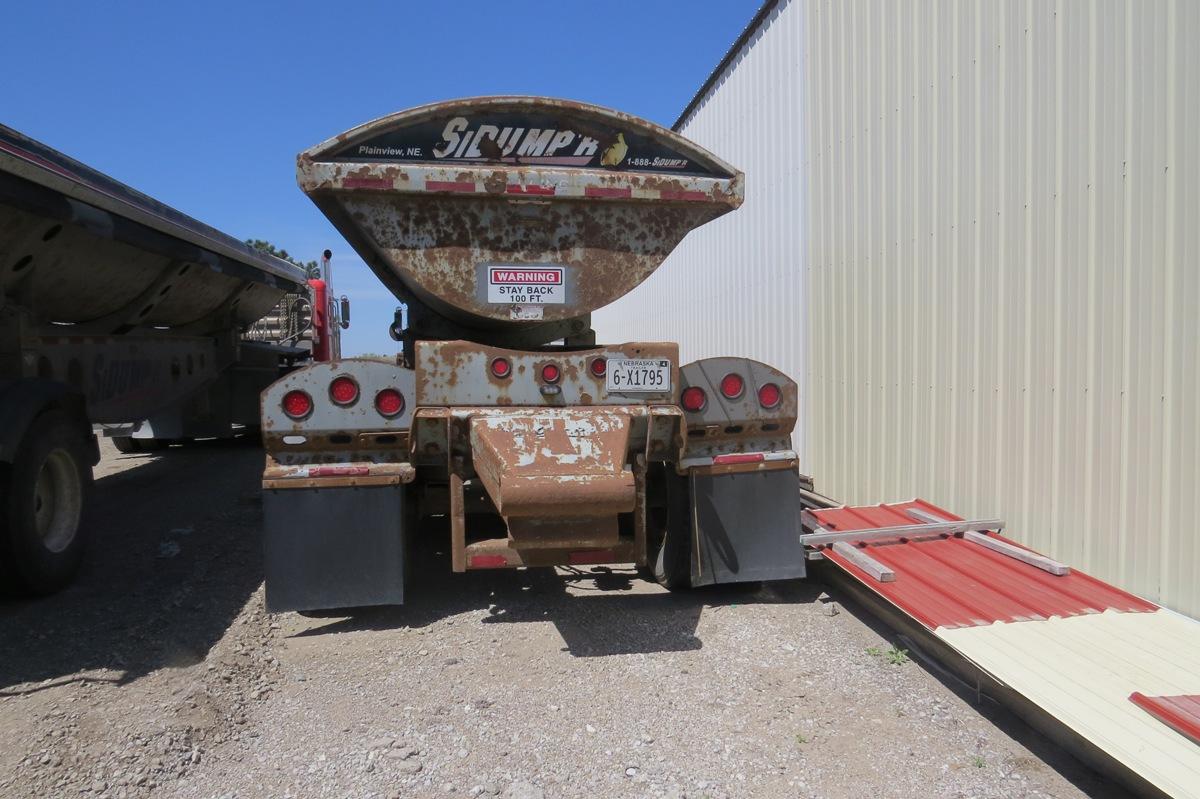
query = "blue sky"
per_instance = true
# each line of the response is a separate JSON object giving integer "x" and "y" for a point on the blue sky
{"x": 205, "y": 105}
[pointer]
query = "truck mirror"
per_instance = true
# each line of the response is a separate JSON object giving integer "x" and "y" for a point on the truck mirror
{"x": 345, "y": 312}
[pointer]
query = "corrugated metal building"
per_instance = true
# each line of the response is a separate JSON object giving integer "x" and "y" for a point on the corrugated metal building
{"x": 972, "y": 232}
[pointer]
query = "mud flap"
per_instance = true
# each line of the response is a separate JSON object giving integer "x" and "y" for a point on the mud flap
{"x": 334, "y": 547}
{"x": 746, "y": 526}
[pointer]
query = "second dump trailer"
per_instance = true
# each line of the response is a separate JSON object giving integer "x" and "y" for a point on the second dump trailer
{"x": 118, "y": 312}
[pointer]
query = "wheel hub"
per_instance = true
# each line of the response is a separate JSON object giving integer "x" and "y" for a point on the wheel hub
{"x": 57, "y": 501}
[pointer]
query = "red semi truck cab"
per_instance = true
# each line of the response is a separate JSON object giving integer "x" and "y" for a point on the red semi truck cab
{"x": 501, "y": 223}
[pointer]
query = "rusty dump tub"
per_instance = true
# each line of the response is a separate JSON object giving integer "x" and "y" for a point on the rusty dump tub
{"x": 502, "y": 212}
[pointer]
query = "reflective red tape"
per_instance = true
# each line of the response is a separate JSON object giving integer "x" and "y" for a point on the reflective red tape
{"x": 449, "y": 185}
{"x": 367, "y": 183}
{"x": 601, "y": 191}
{"x": 488, "y": 561}
{"x": 739, "y": 457}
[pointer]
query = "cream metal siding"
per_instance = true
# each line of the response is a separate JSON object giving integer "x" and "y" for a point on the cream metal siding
{"x": 981, "y": 253}
{"x": 736, "y": 285}
{"x": 1082, "y": 670}
{"x": 1004, "y": 256}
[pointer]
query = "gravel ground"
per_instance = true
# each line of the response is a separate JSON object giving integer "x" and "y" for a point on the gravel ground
{"x": 160, "y": 674}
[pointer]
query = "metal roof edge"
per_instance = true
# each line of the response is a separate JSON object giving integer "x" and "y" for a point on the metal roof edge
{"x": 751, "y": 28}
{"x": 39, "y": 163}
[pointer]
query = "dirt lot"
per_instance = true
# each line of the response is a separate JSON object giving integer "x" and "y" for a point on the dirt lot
{"x": 160, "y": 674}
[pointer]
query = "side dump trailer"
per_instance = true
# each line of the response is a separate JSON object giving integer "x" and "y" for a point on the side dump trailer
{"x": 501, "y": 224}
{"x": 118, "y": 311}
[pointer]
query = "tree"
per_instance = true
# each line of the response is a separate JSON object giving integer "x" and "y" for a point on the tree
{"x": 310, "y": 267}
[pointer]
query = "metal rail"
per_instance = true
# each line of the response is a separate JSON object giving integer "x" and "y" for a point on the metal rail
{"x": 823, "y": 537}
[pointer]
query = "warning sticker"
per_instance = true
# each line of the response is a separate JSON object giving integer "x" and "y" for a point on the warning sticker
{"x": 526, "y": 285}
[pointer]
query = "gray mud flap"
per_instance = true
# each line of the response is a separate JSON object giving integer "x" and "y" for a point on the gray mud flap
{"x": 747, "y": 527}
{"x": 334, "y": 547}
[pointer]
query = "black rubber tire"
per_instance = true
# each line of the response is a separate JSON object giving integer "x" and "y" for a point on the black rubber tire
{"x": 126, "y": 445}
{"x": 51, "y": 463}
{"x": 669, "y": 544}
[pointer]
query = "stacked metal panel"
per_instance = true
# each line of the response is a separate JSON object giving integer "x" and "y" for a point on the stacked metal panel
{"x": 1078, "y": 648}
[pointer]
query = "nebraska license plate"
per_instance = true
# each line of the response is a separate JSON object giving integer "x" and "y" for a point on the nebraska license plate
{"x": 629, "y": 375}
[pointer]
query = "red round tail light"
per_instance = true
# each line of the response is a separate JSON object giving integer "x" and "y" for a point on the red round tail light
{"x": 598, "y": 366}
{"x": 693, "y": 399}
{"x": 343, "y": 390}
{"x": 389, "y": 403}
{"x": 769, "y": 396}
{"x": 551, "y": 373}
{"x": 732, "y": 385}
{"x": 297, "y": 404}
{"x": 501, "y": 367}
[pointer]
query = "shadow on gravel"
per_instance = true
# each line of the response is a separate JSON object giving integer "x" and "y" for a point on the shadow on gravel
{"x": 595, "y": 609}
{"x": 175, "y": 551}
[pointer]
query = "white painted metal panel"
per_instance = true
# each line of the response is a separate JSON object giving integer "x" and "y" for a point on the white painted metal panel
{"x": 1082, "y": 670}
{"x": 973, "y": 229}
{"x": 736, "y": 285}
{"x": 1004, "y": 274}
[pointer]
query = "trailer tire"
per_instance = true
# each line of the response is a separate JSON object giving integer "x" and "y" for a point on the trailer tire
{"x": 43, "y": 499}
{"x": 669, "y": 542}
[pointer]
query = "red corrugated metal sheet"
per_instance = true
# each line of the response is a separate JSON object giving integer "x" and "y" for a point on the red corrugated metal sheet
{"x": 1180, "y": 713}
{"x": 950, "y": 582}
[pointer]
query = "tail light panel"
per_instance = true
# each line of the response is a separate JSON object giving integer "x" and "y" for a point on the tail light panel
{"x": 460, "y": 373}
{"x": 751, "y": 407}
{"x": 339, "y": 406}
